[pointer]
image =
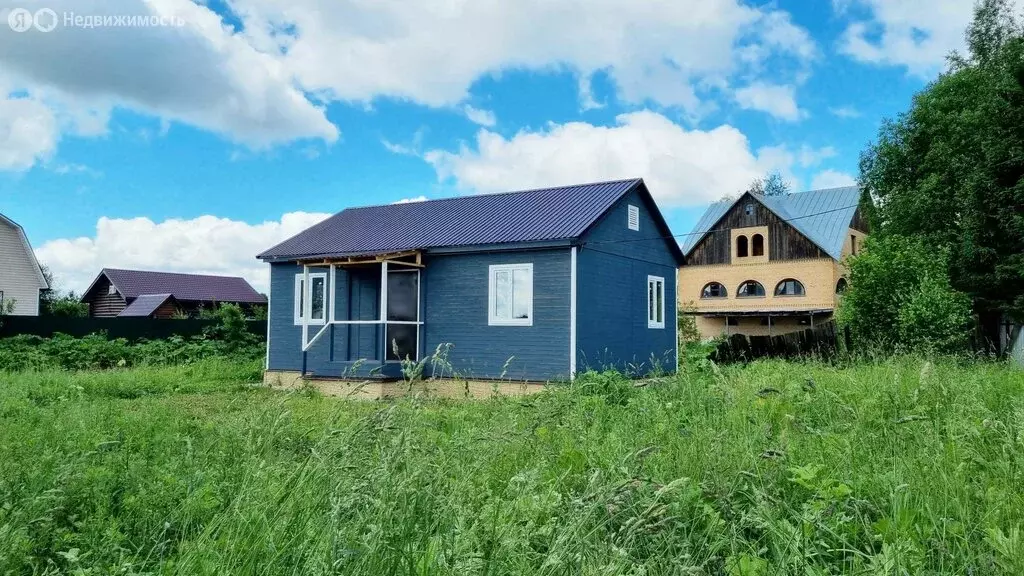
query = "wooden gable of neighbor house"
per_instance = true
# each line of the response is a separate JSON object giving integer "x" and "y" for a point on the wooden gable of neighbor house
{"x": 784, "y": 241}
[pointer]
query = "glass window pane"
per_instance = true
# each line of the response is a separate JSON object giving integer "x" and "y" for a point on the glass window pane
{"x": 650, "y": 300}
{"x": 402, "y": 292}
{"x": 503, "y": 294}
{"x": 403, "y": 338}
{"x": 522, "y": 293}
{"x": 302, "y": 298}
{"x": 317, "y": 298}
{"x": 660, "y": 291}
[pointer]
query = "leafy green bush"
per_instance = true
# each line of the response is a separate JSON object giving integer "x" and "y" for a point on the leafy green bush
{"x": 97, "y": 352}
{"x": 899, "y": 296}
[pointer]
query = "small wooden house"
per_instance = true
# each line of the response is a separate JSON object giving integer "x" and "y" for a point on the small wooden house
{"x": 21, "y": 278}
{"x": 768, "y": 265}
{"x": 530, "y": 286}
{"x": 144, "y": 293}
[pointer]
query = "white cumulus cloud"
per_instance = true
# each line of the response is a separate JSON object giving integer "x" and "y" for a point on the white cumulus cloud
{"x": 915, "y": 34}
{"x": 778, "y": 101}
{"x": 203, "y": 245}
{"x": 200, "y": 73}
{"x": 481, "y": 117}
{"x": 682, "y": 167}
{"x": 28, "y": 133}
{"x": 832, "y": 179}
{"x": 432, "y": 51}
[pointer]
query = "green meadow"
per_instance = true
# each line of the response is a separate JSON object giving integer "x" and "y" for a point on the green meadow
{"x": 899, "y": 466}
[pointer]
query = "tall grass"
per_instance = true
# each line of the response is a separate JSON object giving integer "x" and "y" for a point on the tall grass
{"x": 894, "y": 467}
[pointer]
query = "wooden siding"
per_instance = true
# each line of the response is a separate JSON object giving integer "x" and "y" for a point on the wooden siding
{"x": 860, "y": 223}
{"x": 166, "y": 310}
{"x": 455, "y": 312}
{"x": 19, "y": 280}
{"x": 101, "y": 304}
{"x": 611, "y": 294}
{"x": 784, "y": 241}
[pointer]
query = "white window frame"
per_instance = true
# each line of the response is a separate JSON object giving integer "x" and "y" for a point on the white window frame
{"x": 111, "y": 289}
{"x": 659, "y": 284}
{"x": 633, "y": 217}
{"x": 307, "y": 302}
{"x": 492, "y": 274}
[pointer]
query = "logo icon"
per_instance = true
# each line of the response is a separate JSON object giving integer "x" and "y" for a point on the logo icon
{"x": 45, "y": 20}
{"x": 20, "y": 20}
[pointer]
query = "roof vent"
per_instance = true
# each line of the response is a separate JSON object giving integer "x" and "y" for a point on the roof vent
{"x": 634, "y": 218}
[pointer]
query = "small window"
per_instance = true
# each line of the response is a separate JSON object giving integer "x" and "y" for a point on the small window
{"x": 841, "y": 286}
{"x": 789, "y": 287}
{"x": 510, "y": 295}
{"x": 655, "y": 302}
{"x": 316, "y": 295}
{"x": 750, "y": 289}
{"x": 741, "y": 247}
{"x": 757, "y": 245}
{"x": 713, "y": 290}
{"x": 634, "y": 218}
{"x": 732, "y": 321}
{"x": 749, "y": 209}
{"x": 853, "y": 244}
{"x": 111, "y": 290}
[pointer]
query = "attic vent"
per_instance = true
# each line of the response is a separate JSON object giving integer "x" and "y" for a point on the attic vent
{"x": 634, "y": 218}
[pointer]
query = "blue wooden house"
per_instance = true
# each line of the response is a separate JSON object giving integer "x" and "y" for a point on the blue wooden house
{"x": 533, "y": 285}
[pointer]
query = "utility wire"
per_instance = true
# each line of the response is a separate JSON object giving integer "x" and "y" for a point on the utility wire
{"x": 717, "y": 229}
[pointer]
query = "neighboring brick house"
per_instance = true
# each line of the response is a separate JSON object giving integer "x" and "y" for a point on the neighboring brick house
{"x": 770, "y": 265}
{"x": 124, "y": 293}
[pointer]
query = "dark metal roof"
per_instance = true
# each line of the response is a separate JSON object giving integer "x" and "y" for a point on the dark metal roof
{"x": 145, "y": 305}
{"x": 189, "y": 287}
{"x": 512, "y": 217}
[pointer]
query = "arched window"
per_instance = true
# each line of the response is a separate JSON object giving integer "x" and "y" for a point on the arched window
{"x": 757, "y": 245}
{"x": 750, "y": 289}
{"x": 789, "y": 287}
{"x": 713, "y": 290}
{"x": 741, "y": 247}
{"x": 841, "y": 286}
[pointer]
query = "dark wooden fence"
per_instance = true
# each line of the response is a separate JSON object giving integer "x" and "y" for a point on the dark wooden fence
{"x": 127, "y": 328}
{"x": 821, "y": 340}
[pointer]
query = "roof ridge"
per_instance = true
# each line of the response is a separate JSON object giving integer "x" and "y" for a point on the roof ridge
{"x": 106, "y": 269}
{"x": 489, "y": 194}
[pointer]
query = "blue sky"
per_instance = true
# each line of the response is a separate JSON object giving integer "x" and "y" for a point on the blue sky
{"x": 195, "y": 143}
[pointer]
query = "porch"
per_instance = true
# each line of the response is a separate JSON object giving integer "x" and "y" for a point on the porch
{"x": 360, "y": 314}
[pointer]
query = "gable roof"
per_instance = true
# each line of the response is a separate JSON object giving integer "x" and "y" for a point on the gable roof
{"x": 190, "y": 287}
{"x": 145, "y": 305}
{"x": 544, "y": 214}
{"x": 43, "y": 284}
{"x": 823, "y": 216}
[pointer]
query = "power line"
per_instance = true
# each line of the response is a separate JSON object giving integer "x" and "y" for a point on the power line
{"x": 717, "y": 229}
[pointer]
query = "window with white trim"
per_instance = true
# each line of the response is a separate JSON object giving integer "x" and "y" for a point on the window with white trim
{"x": 633, "y": 221}
{"x": 311, "y": 301}
{"x": 655, "y": 302}
{"x": 510, "y": 295}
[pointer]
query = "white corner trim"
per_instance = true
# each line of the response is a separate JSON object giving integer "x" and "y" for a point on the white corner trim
{"x": 492, "y": 318}
{"x": 675, "y": 315}
{"x": 572, "y": 314}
